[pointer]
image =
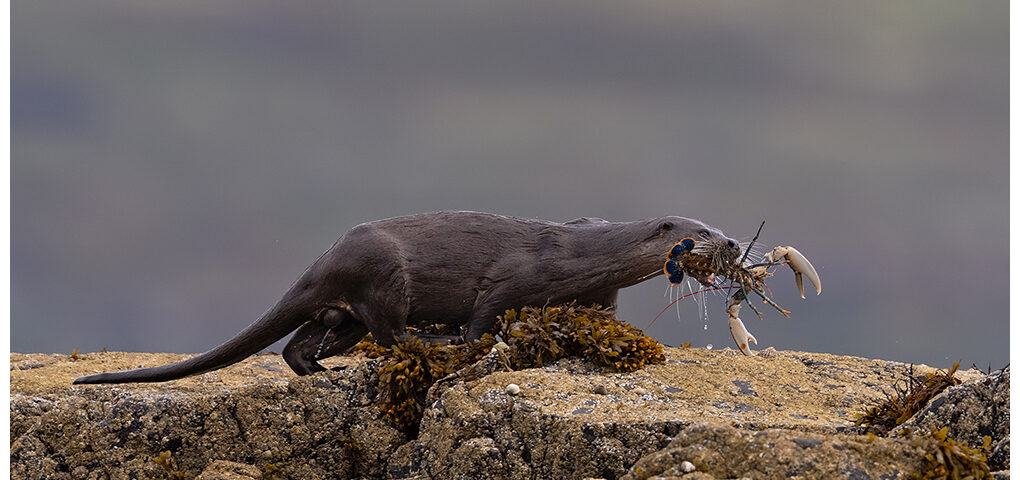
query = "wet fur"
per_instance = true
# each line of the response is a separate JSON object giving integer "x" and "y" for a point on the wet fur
{"x": 459, "y": 268}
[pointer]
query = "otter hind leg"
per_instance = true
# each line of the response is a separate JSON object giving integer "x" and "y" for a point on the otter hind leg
{"x": 331, "y": 333}
{"x": 483, "y": 320}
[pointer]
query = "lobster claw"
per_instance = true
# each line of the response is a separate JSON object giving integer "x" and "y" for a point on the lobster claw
{"x": 742, "y": 337}
{"x": 738, "y": 331}
{"x": 800, "y": 266}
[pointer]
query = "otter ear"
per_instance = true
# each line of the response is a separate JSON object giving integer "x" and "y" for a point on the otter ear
{"x": 665, "y": 226}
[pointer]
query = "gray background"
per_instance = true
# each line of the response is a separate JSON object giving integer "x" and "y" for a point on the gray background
{"x": 175, "y": 165}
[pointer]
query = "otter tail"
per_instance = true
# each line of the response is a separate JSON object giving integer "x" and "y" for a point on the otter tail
{"x": 296, "y": 307}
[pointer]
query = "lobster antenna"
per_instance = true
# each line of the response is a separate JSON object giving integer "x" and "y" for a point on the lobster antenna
{"x": 749, "y": 245}
{"x": 677, "y": 300}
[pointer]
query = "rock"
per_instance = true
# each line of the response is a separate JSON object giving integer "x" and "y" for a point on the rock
{"x": 790, "y": 413}
{"x": 224, "y": 470}
{"x": 999, "y": 458}
{"x": 559, "y": 427}
{"x": 314, "y": 427}
{"x": 971, "y": 411}
{"x": 720, "y": 451}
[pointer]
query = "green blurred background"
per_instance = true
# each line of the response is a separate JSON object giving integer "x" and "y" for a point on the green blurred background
{"x": 176, "y": 165}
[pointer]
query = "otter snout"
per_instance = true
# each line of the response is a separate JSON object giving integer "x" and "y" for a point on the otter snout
{"x": 732, "y": 244}
{"x": 728, "y": 248}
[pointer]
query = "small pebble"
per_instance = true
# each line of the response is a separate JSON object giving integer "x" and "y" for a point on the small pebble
{"x": 513, "y": 389}
{"x": 600, "y": 389}
{"x": 639, "y": 391}
{"x": 686, "y": 467}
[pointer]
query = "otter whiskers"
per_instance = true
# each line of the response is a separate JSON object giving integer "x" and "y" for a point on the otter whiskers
{"x": 706, "y": 260}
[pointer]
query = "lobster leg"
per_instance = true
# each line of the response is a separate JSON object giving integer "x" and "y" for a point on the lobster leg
{"x": 738, "y": 331}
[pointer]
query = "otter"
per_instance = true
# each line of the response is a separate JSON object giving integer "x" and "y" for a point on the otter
{"x": 454, "y": 268}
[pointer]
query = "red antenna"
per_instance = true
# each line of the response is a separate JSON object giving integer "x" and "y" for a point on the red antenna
{"x": 677, "y": 300}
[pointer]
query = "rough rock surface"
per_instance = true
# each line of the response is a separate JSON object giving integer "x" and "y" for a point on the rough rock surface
{"x": 779, "y": 454}
{"x": 224, "y": 470}
{"x": 971, "y": 411}
{"x": 255, "y": 413}
{"x": 568, "y": 420}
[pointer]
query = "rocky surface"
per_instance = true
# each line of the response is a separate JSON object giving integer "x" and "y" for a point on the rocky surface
{"x": 779, "y": 454}
{"x": 726, "y": 414}
{"x": 224, "y": 470}
{"x": 255, "y": 413}
{"x": 971, "y": 411}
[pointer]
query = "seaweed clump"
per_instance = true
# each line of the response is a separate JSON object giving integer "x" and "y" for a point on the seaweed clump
{"x": 537, "y": 336}
{"x": 411, "y": 366}
{"x": 534, "y": 337}
{"x": 908, "y": 398}
{"x": 946, "y": 458}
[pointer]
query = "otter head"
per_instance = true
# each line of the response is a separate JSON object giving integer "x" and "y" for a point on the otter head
{"x": 692, "y": 247}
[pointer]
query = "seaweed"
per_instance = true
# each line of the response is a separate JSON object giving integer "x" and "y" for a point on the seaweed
{"x": 272, "y": 471}
{"x": 411, "y": 366}
{"x": 946, "y": 458}
{"x": 537, "y": 336}
{"x": 534, "y": 337}
{"x": 909, "y": 396}
{"x": 167, "y": 463}
{"x": 368, "y": 348}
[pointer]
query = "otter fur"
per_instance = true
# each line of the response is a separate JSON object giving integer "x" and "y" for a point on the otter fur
{"x": 454, "y": 268}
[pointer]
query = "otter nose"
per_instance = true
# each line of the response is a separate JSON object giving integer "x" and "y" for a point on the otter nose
{"x": 731, "y": 243}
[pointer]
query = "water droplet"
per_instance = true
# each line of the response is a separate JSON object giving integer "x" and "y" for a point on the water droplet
{"x": 709, "y": 346}
{"x": 706, "y": 326}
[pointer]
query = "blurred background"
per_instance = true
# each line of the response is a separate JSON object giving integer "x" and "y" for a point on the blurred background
{"x": 176, "y": 165}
